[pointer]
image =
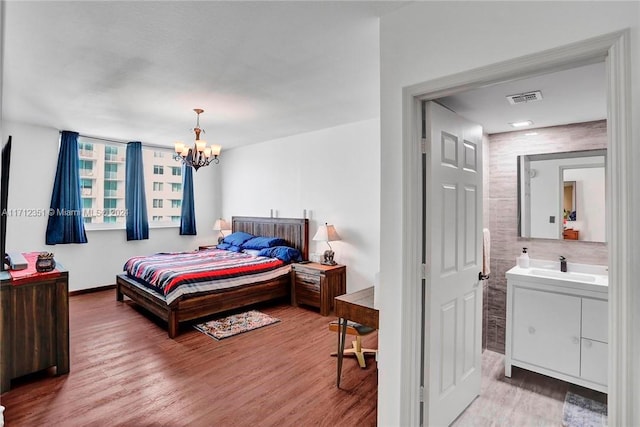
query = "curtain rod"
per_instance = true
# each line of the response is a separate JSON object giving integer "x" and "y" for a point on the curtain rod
{"x": 115, "y": 141}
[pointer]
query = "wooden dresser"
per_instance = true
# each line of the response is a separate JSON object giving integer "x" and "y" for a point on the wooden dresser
{"x": 316, "y": 285}
{"x": 34, "y": 325}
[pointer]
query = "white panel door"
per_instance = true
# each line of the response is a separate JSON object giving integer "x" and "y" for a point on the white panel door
{"x": 453, "y": 254}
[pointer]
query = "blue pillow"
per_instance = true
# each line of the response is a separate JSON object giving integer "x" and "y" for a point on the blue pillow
{"x": 223, "y": 245}
{"x": 263, "y": 242}
{"x": 237, "y": 238}
{"x": 234, "y": 248}
{"x": 285, "y": 253}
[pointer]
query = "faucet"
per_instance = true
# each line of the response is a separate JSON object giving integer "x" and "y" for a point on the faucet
{"x": 563, "y": 264}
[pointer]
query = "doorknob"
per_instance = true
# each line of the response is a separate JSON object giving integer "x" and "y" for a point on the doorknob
{"x": 482, "y": 276}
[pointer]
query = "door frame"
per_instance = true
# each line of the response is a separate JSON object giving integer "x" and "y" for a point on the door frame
{"x": 611, "y": 48}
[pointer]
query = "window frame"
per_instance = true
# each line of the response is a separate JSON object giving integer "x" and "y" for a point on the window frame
{"x": 98, "y": 178}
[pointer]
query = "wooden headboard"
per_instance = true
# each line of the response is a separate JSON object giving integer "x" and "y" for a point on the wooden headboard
{"x": 293, "y": 230}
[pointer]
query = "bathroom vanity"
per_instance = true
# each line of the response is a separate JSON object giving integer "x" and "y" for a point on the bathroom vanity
{"x": 557, "y": 322}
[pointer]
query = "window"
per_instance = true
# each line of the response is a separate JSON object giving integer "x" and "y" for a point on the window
{"x": 87, "y": 146}
{"x": 86, "y": 167}
{"x": 110, "y": 170}
{"x": 111, "y": 153}
{"x": 111, "y": 189}
{"x": 102, "y": 184}
{"x": 176, "y": 170}
{"x": 176, "y": 203}
{"x": 85, "y": 149}
{"x": 86, "y": 187}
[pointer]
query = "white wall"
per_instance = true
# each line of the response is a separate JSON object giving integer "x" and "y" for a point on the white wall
{"x": 333, "y": 173}
{"x": 590, "y": 193}
{"x": 427, "y": 40}
{"x": 97, "y": 262}
{"x": 544, "y": 194}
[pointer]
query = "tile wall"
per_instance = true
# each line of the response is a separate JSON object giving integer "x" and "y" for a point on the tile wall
{"x": 500, "y": 194}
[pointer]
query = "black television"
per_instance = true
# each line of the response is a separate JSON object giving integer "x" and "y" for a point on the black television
{"x": 4, "y": 193}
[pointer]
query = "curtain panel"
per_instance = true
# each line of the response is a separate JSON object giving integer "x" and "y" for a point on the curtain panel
{"x": 188, "y": 216}
{"x": 65, "y": 224}
{"x": 134, "y": 199}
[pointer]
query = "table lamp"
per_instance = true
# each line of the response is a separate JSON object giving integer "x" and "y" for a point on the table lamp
{"x": 327, "y": 233}
{"x": 220, "y": 225}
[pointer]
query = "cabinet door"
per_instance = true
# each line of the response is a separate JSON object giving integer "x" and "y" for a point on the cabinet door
{"x": 546, "y": 330}
{"x": 595, "y": 324}
{"x": 34, "y": 333}
{"x": 593, "y": 366}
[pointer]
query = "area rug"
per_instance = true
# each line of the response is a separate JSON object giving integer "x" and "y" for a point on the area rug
{"x": 236, "y": 324}
{"x": 579, "y": 411}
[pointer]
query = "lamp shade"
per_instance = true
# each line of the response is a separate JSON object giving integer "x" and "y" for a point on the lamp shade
{"x": 220, "y": 224}
{"x": 326, "y": 233}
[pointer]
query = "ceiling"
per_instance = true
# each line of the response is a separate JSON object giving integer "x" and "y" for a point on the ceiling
{"x": 135, "y": 70}
{"x": 571, "y": 96}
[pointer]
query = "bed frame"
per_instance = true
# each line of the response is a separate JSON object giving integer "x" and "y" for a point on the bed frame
{"x": 191, "y": 307}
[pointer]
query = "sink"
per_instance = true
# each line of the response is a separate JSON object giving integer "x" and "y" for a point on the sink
{"x": 584, "y": 276}
{"x": 564, "y": 275}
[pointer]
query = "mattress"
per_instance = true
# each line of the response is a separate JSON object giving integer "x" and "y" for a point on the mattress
{"x": 176, "y": 274}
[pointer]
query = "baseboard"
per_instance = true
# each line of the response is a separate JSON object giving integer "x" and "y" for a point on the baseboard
{"x": 91, "y": 290}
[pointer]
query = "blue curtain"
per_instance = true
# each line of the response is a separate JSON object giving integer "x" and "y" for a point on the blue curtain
{"x": 65, "y": 224}
{"x": 188, "y": 216}
{"x": 134, "y": 198}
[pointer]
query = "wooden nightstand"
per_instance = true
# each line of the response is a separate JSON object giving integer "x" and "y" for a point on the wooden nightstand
{"x": 317, "y": 284}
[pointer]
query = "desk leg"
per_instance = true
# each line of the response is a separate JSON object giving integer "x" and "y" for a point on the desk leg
{"x": 342, "y": 337}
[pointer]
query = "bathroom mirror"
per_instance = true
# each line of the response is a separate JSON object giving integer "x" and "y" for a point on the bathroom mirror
{"x": 562, "y": 195}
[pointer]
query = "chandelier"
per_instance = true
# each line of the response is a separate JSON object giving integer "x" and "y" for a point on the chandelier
{"x": 200, "y": 155}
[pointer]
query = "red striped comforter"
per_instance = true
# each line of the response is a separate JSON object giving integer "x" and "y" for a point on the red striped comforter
{"x": 167, "y": 272}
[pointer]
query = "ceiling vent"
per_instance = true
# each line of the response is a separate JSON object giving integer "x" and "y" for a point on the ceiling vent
{"x": 521, "y": 98}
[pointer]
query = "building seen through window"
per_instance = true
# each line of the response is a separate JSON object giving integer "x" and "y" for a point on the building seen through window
{"x": 102, "y": 170}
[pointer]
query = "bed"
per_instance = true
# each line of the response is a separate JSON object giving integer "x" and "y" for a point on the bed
{"x": 197, "y": 305}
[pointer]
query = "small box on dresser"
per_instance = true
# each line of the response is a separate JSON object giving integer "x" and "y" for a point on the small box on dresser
{"x": 316, "y": 285}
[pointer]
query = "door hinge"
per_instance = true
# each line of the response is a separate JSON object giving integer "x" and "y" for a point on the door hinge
{"x": 421, "y": 393}
{"x": 423, "y": 145}
{"x": 423, "y": 271}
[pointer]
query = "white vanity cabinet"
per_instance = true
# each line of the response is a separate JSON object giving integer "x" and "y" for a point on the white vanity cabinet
{"x": 558, "y": 329}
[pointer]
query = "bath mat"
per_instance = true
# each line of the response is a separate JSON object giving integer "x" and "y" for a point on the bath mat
{"x": 579, "y": 411}
{"x": 235, "y": 324}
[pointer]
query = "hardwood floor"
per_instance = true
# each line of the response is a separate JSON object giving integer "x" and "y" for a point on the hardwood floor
{"x": 126, "y": 371}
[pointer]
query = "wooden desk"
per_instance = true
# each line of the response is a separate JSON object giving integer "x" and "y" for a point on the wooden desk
{"x": 357, "y": 307}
